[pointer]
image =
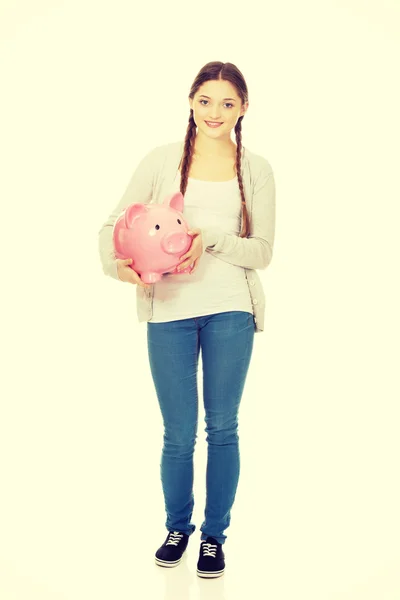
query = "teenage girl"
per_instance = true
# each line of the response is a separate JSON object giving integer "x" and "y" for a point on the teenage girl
{"x": 211, "y": 310}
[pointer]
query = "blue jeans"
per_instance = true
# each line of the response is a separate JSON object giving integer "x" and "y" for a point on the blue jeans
{"x": 226, "y": 342}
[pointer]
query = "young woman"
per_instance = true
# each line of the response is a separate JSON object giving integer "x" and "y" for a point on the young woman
{"x": 229, "y": 202}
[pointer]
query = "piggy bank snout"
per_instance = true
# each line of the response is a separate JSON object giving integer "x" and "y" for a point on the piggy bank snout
{"x": 174, "y": 243}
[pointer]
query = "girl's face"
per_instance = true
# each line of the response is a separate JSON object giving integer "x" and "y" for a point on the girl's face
{"x": 217, "y": 100}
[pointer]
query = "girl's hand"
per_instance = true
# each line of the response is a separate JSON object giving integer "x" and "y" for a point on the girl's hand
{"x": 126, "y": 273}
{"x": 194, "y": 253}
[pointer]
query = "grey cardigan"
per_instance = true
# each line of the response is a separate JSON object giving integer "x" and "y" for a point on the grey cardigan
{"x": 151, "y": 182}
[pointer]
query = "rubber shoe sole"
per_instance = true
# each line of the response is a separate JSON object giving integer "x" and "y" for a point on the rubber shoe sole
{"x": 210, "y": 574}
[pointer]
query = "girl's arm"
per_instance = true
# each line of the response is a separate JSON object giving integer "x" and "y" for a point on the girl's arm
{"x": 254, "y": 252}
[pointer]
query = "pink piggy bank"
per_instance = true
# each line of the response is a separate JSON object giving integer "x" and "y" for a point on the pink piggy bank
{"x": 154, "y": 236}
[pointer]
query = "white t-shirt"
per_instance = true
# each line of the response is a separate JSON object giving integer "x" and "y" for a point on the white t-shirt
{"x": 216, "y": 286}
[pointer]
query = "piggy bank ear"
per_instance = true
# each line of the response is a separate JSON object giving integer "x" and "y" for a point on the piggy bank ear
{"x": 175, "y": 201}
{"x": 132, "y": 212}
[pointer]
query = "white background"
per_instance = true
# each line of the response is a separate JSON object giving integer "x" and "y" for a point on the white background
{"x": 87, "y": 89}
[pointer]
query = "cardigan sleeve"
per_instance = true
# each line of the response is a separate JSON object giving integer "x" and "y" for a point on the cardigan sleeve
{"x": 255, "y": 251}
{"x": 139, "y": 189}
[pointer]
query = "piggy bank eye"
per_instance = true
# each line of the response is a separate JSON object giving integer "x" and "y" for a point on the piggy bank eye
{"x": 157, "y": 227}
{"x": 180, "y": 222}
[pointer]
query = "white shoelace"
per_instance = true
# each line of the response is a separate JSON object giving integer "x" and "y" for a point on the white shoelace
{"x": 209, "y": 549}
{"x": 174, "y": 538}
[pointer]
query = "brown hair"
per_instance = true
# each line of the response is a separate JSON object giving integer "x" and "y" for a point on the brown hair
{"x": 217, "y": 71}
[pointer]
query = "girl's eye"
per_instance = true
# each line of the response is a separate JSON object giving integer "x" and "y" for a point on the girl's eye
{"x": 230, "y": 104}
{"x": 179, "y": 221}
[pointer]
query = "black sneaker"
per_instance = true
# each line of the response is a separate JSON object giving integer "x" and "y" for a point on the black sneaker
{"x": 170, "y": 553}
{"x": 211, "y": 561}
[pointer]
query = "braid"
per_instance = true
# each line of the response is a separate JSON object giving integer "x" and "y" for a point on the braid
{"x": 187, "y": 157}
{"x": 245, "y": 216}
{"x": 187, "y": 152}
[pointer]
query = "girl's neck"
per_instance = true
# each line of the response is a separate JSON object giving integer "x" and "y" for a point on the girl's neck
{"x": 206, "y": 148}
